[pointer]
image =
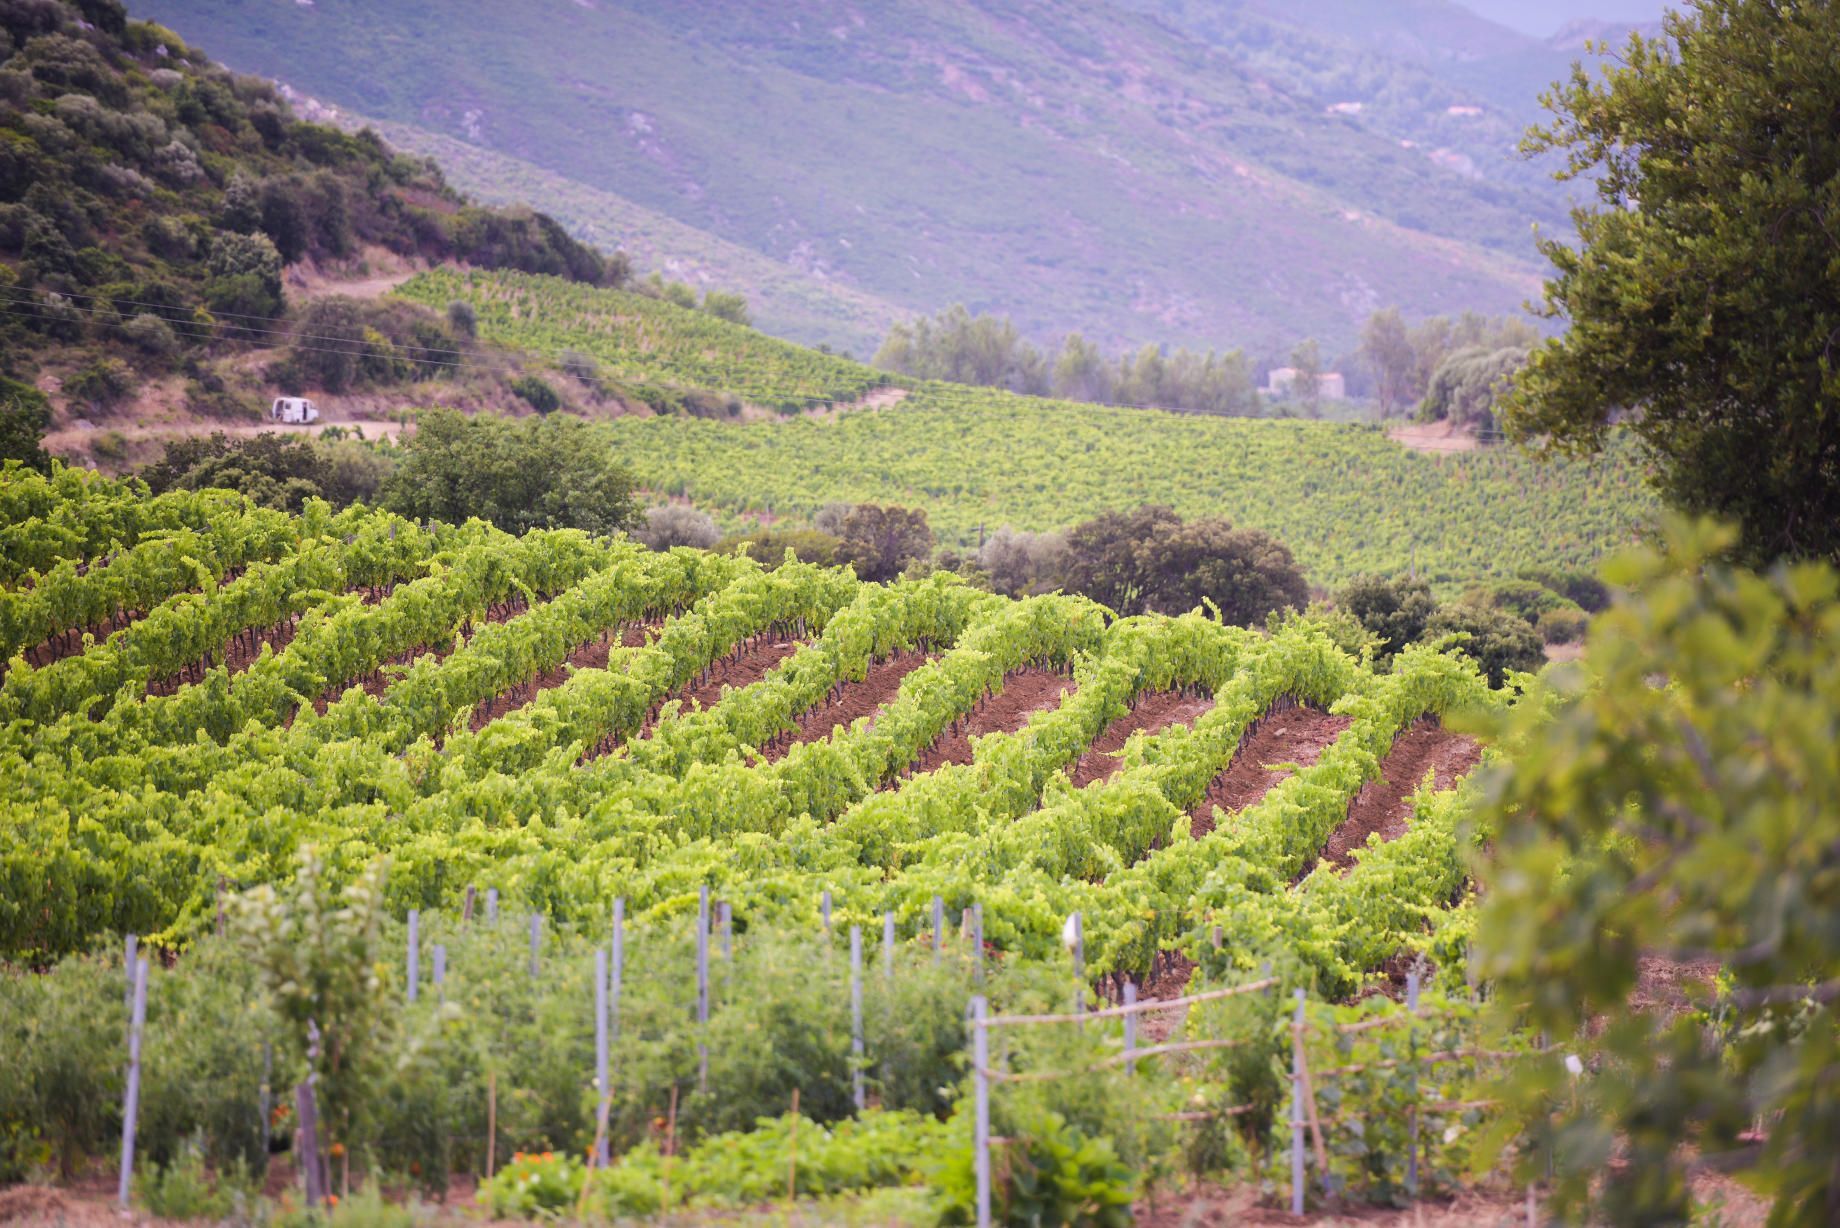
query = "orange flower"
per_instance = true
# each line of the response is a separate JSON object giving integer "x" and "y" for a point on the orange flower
{"x": 332, "y": 1200}
{"x": 337, "y": 1149}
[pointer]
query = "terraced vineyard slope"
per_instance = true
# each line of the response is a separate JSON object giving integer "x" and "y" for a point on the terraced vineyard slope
{"x": 570, "y": 720}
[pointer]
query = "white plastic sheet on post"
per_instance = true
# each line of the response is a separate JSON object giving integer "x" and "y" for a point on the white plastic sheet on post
{"x": 856, "y": 1019}
{"x": 440, "y": 971}
{"x": 888, "y": 947}
{"x": 602, "y": 1090}
{"x": 702, "y": 988}
{"x": 939, "y": 928}
{"x": 414, "y": 969}
{"x": 492, "y": 906}
{"x": 980, "y": 1139}
{"x": 1130, "y": 1026}
{"x": 1297, "y": 1115}
{"x": 131, "y": 1096}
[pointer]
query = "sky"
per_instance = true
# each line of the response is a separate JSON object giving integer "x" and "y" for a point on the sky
{"x": 1544, "y": 17}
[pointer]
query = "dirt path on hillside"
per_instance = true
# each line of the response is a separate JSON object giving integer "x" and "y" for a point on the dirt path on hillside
{"x": 1153, "y": 712}
{"x": 1436, "y": 437}
{"x": 1295, "y": 735}
{"x": 1025, "y": 692}
{"x": 1384, "y": 804}
{"x": 849, "y": 703}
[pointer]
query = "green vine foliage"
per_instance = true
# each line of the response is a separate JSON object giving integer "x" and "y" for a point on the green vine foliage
{"x": 1679, "y": 805}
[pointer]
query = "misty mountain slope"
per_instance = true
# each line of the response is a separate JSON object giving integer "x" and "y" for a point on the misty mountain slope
{"x": 1076, "y": 166}
{"x": 793, "y": 303}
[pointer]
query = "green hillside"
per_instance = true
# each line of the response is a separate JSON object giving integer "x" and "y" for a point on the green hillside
{"x": 645, "y": 340}
{"x": 1345, "y": 498}
{"x": 783, "y": 300}
{"x": 1073, "y": 166}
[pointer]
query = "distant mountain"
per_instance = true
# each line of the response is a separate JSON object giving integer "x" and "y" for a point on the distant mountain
{"x": 1211, "y": 174}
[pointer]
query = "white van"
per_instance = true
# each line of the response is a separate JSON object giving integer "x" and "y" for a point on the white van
{"x": 293, "y": 409}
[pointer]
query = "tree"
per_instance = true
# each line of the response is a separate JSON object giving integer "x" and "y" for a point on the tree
{"x": 1247, "y": 574}
{"x": 1023, "y": 564}
{"x": 1080, "y": 372}
{"x": 25, "y": 415}
{"x": 1306, "y": 361}
{"x": 278, "y": 471}
{"x": 1149, "y": 560}
{"x": 519, "y": 473}
{"x": 768, "y": 546}
{"x": 1466, "y": 385}
{"x": 1702, "y": 295}
{"x": 882, "y": 542}
{"x": 1107, "y": 556}
{"x": 1672, "y": 798}
{"x": 1389, "y": 353}
{"x": 1499, "y": 642}
{"x": 1395, "y": 611}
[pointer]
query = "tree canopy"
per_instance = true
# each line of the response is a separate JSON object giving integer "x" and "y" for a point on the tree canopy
{"x": 524, "y": 473}
{"x": 1672, "y": 799}
{"x": 1150, "y": 560}
{"x": 1703, "y": 294}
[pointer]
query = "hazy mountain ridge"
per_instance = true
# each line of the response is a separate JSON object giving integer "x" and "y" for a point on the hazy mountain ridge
{"x": 1076, "y": 167}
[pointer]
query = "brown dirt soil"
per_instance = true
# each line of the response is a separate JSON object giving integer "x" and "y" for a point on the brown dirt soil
{"x": 592, "y": 655}
{"x": 850, "y": 702}
{"x": 1290, "y": 734}
{"x": 749, "y": 664}
{"x": 1434, "y": 437}
{"x": 90, "y": 1203}
{"x": 1495, "y": 1205}
{"x": 1384, "y": 805}
{"x": 1152, "y": 712}
{"x": 1025, "y": 692}
{"x": 1669, "y": 985}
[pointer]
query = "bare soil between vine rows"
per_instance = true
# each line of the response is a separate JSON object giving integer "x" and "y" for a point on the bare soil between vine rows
{"x": 1284, "y": 735}
{"x": 1384, "y": 804}
{"x": 593, "y": 655}
{"x": 1025, "y": 692}
{"x": 1153, "y": 712}
{"x": 853, "y": 701}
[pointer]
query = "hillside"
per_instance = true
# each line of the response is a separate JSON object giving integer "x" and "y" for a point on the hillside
{"x": 803, "y": 306}
{"x": 1075, "y": 167}
{"x": 1346, "y": 499}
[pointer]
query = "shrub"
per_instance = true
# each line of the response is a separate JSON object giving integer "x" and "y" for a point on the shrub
{"x": 151, "y": 335}
{"x": 462, "y": 318}
{"x": 677, "y": 525}
{"x": 1498, "y": 642}
{"x": 101, "y": 385}
{"x": 882, "y": 542}
{"x": 536, "y": 394}
{"x": 1022, "y": 564}
{"x": 1395, "y": 611}
{"x": 1562, "y": 626}
{"x": 768, "y": 547}
{"x": 730, "y": 307}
